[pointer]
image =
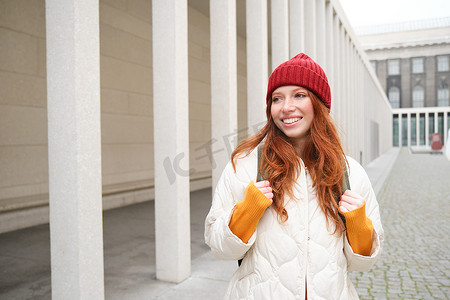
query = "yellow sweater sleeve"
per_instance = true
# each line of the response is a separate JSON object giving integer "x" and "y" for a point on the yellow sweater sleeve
{"x": 359, "y": 230}
{"x": 247, "y": 212}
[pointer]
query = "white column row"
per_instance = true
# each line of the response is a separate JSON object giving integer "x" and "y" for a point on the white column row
{"x": 297, "y": 26}
{"x": 354, "y": 88}
{"x": 419, "y": 131}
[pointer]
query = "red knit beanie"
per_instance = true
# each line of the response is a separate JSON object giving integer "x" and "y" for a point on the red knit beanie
{"x": 301, "y": 70}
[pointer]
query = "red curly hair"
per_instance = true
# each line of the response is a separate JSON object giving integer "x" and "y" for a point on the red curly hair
{"x": 322, "y": 155}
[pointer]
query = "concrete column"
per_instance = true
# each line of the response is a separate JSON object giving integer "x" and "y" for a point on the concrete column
{"x": 280, "y": 32}
{"x": 350, "y": 103}
{"x": 359, "y": 120}
{"x": 320, "y": 32}
{"x": 329, "y": 46}
{"x": 345, "y": 83}
{"x": 337, "y": 96}
{"x": 296, "y": 27}
{"x": 342, "y": 85}
{"x": 310, "y": 29}
{"x": 353, "y": 107}
{"x": 257, "y": 62}
{"x": 223, "y": 80}
{"x": 356, "y": 103}
{"x": 366, "y": 108}
{"x": 344, "y": 97}
{"x": 170, "y": 103}
{"x": 74, "y": 149}
{"x": 349, "y": 100}
{"x": 427, "y": 128}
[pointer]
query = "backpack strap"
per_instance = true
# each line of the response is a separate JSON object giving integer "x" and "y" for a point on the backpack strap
{"x": 259, "y": 177}
{"x": 345, "y": 181}
{"x": 345, "y": 186}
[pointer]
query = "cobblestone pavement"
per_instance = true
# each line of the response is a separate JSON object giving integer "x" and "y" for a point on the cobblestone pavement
{"x": 415, "y": 212}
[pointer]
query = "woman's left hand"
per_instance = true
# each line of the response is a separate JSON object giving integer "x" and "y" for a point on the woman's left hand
{"x": 350, "y": 201}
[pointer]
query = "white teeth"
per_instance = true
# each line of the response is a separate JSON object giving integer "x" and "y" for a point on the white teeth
{"x": 291, "y": 120}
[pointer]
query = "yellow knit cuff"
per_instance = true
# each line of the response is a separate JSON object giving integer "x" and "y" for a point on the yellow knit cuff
{"x": 247, "y": 212}
{"x": 359, "y": 230}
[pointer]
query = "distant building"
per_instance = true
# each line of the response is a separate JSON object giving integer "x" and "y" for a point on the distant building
{"x": 412, "y": 62}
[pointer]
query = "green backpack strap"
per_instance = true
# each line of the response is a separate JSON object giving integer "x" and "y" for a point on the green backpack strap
{"x": 345, "y": 186}
{"x": 259, "y": 177}
{"x": 345, "y": 181}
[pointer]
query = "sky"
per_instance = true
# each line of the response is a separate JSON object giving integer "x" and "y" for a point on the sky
{"x": 376, "y": 12}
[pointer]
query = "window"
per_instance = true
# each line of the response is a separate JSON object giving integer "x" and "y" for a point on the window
{"x": 430, "y": 126}
{"x": 396, "y": 130}
{"x": 373, "y": 63}
{"x": 422, "y": 129}
{"x": 417, "y": 65}
{"x": 442, "y": 63}
{"x": 418, "y": 97}
{"x": 394, "y": 67}
{"x": 404, "y": 130}
{"x": 394, "y": 97}
{"x": 441, "y": 126}
{"x": 413, "y": 130}
{"x": 443, "y": 95}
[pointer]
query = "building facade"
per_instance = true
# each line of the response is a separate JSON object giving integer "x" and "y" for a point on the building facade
{"x": 412, "y": 62}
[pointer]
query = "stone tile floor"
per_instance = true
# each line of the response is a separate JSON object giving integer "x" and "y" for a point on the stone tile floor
{"x": 415, "y": 210}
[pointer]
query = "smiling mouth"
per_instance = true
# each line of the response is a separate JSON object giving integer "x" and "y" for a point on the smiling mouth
{"x": 291, "y": 120}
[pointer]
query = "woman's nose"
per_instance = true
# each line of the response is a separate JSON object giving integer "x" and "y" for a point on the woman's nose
{"x": 288, "y": 105}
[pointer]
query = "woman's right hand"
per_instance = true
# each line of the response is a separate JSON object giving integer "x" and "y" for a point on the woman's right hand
{"x": 265, "y": 188}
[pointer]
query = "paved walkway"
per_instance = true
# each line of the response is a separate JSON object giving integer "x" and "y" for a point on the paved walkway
{"x": 415, "y": 211}
{"x": 414, "y": 265}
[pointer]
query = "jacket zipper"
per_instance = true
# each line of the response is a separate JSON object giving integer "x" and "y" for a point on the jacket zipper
{"x": 305, "y": 187}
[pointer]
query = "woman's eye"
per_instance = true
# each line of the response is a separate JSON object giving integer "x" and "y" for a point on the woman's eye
{"x": 300, "y": 95}
{"x": 275, "y": 99}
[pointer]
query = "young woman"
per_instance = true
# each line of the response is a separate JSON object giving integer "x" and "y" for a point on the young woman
{"x": 287, "y": 227}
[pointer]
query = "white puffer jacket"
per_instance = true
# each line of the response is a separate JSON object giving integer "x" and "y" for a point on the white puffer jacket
{"x": 281, "y": 260}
